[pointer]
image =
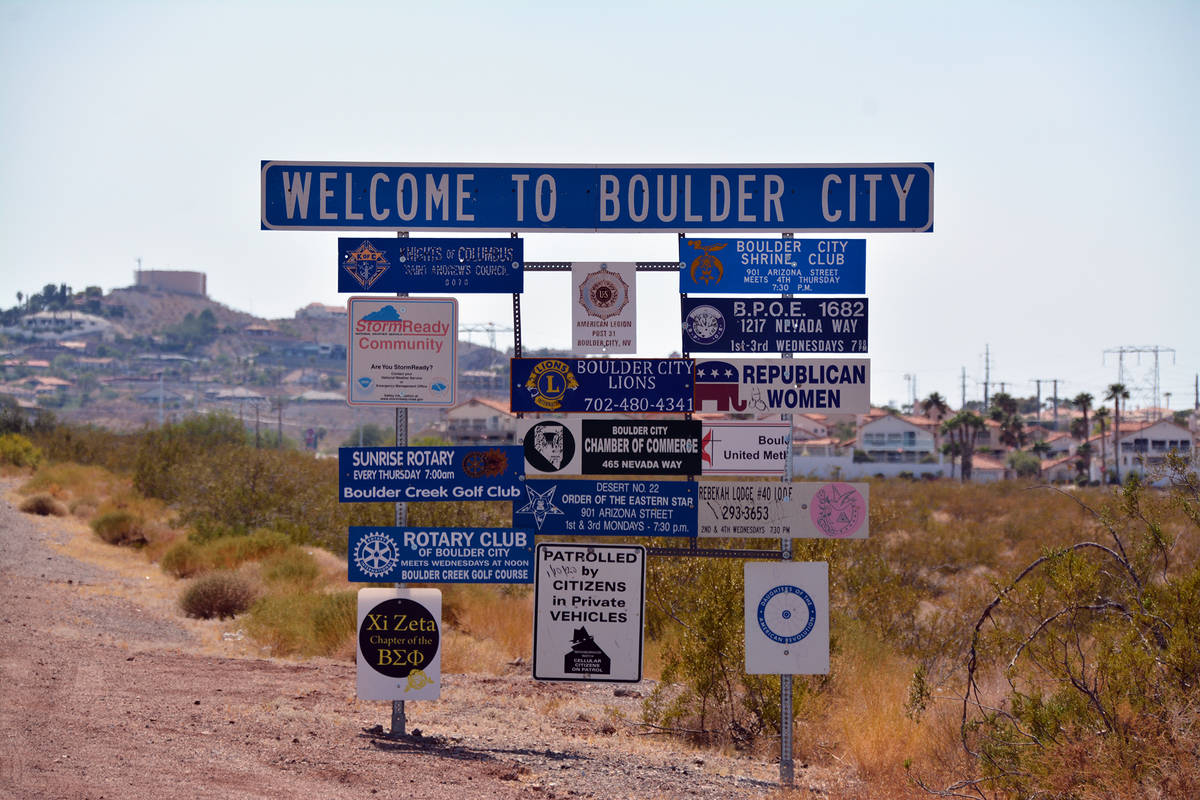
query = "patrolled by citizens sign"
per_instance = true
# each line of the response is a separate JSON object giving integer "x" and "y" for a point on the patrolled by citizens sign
{"x": 767, "y": 510}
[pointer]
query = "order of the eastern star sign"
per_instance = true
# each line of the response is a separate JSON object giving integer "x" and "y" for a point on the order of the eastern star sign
{"x": 541, "y": 505}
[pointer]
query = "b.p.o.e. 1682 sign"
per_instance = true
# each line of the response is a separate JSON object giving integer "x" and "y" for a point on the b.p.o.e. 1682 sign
{"x": 589, "y": 601}
{"x": 430, "y": 265}
{"x": 403, "y": 474}
{"x": 402, "y": 351}
{"x": 773, "y": 266}
{"x": 399, "y": 644}
{"x": 753, "y": 325}
{"x": 440, "y": 555}
{"x": 739, "y": 510}
{"x": 779, "y": 386}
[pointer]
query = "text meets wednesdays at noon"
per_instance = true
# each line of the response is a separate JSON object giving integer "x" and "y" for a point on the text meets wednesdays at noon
{"x": 547, "y": 197}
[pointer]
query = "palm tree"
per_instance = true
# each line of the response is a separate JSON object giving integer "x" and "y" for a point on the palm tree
{"x": 963, "y": 428}
{"x": 1083, "y": 401}
{"x": 1101, "y": 418}
{"x": 1040, "y": 448}
{"x": 938, "y": 405}
{"x": 1117, "y": 392}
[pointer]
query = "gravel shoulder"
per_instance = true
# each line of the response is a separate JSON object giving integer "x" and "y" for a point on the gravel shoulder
{"x": 107, "y": 691}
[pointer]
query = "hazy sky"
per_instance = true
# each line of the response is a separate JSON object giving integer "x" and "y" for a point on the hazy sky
{"x": 1064, "y": 136}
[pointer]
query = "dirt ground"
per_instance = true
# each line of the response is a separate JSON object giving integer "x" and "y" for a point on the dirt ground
{"x": 107, "y": 691}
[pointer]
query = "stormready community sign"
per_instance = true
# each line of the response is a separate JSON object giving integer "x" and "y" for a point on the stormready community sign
{"x": 440, "y": 555}
{"x": 589, "y": 602}
{"x": 608, "y": 508}
{"x": 608, "y": 385}
{"x": 402, "y": 351}
{"x": 354, "y": 196}
{"x": 603, "y": 307}
{"x": 778, "y": 386}
{"x": 773, "y": 266}
{"x": 399, "y": 644}
{"x": 403, "y": 474}
{"x": 762, "y": 325}
{"x": 610, "y": 446}
{"x": 787, "y": 618}
{"x": 744, "y": 448}
{"x": 430, "y": 265}
{"x": 761, "y": 510}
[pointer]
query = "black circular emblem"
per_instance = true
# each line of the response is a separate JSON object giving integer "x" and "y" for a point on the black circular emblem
{"x": 549, "y": 446}
{"x": 399, "y": 636}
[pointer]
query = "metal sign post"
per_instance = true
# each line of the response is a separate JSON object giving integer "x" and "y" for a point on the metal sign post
{"x": 398, "y": 717}
{"x": 787, "y": 774}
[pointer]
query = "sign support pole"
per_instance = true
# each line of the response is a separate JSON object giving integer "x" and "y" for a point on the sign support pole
{"x": 787, "y": 775}
{"x": 398, "y": 717}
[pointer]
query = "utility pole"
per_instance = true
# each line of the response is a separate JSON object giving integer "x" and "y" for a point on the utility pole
{"x": 1038, "y": 382}
{"x": 1056, "y": 404}
{"x": 963, "y": 404}
{"x": 987, "y": 373}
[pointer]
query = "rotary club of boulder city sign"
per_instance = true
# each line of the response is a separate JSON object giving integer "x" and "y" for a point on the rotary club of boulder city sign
{"x": 604, "y": 312}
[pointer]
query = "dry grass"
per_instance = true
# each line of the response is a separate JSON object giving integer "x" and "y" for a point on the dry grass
{"x": 44, "y": 505}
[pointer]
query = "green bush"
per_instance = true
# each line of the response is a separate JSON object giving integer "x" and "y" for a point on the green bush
{"x": 292, "y": 566}
{"x": 182, "y": 560}
{"x": 43, "y": 505}
{"x": 304, "y": 623}
{"x": 15, "y": 449}
{"x": 218, "y": 594}
{"x": 120, "y": 528}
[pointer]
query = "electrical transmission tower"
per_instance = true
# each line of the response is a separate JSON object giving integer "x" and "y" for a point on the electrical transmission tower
{"x": 1153, "y": 388}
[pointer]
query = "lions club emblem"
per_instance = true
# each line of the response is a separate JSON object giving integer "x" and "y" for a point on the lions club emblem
{"x": 549, "y": 382}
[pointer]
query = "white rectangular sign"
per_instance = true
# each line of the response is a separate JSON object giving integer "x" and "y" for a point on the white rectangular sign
{"x": 744, "y": 448}
{"x": 767, "y": 510}
{"x": 589, "y": 601}
{"x": 402, "y": 351}
{"x": 783, "y": 386}
{"x": 604, "y": 307}
{"x": 787, "y": 618}
{"x": 399, "y": 644}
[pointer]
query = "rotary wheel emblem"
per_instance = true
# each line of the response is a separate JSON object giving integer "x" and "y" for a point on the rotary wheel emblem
{"x": 376, "y": 555}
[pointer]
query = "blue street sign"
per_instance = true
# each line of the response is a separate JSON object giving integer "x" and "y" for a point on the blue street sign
{"x": 764, "y": 325}
{"x": 401, "y": 474}
{"x": 440, "y": 555}
{"x": 430, "y": 265}
{"x": 608, "y": 508}
{"x": 588, "y": 385}
{"x": 773, "y": 266}
{"x": 333, "y": 195}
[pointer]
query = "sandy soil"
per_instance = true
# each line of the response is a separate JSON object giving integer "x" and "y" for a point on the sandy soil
{"x": 107, "y": 691}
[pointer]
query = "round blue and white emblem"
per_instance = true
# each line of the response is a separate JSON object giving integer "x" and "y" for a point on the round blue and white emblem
{"x": 704, "y": 325}
{"x": 376, "y": 555}
{"x": 786, "y": 614}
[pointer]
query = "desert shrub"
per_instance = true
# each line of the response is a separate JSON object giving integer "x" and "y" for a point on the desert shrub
{"x": 165, "y": 457}
{"x": 231, "y": 551}
{"x": 120, "y": 528}
{"x": 292, "y": 566}
{"x": 182, "y": 560}
{"x": 17, "y": 450}
{"x": 85, "y": 444}
{"x": 304, "y": 623}
{"x": 217, "y": 594}
{"x": 43, "y": 505}
{"x": 1095, "y": 649}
